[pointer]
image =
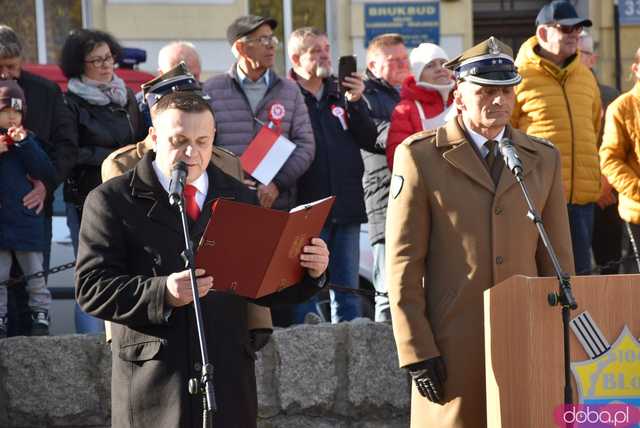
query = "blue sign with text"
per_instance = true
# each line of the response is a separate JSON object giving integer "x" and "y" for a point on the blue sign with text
{"x": 417, "y": 22}
{"x": 629, "y": 12}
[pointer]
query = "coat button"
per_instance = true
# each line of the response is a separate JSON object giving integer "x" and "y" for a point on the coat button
{"x": 499, "y": 260}
{"x": 498, "y": 211}
{"x": 197, "y": 367}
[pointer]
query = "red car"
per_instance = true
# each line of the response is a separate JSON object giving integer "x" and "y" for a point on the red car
{"x": 133, "y": 78}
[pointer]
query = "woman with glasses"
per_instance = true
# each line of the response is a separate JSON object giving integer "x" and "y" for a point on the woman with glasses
{"x": 107, "y": 118}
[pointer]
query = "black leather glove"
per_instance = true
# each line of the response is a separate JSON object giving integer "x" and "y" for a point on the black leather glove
{"x": 429, "y": 376}
{"x": 259, "y": 338}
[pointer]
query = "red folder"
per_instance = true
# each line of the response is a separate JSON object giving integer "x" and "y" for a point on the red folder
{"x": 254, "y": 251}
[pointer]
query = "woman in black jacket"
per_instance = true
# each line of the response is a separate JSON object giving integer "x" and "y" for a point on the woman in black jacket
{"x": 106, "y": 116}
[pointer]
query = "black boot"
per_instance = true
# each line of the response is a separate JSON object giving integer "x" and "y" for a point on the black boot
{"x": 39, "y": 323}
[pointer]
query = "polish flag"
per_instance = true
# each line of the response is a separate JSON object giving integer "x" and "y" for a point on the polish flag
{"x": 266, "y": 154}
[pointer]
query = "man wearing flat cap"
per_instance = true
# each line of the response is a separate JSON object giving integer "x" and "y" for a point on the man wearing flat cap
{"x": 454, "y": 209}
{"x": 251, "y": 95}
{"x": 559, "y": 100}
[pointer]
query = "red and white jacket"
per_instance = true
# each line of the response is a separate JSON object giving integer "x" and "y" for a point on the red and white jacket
{"x": 420, "y": 108}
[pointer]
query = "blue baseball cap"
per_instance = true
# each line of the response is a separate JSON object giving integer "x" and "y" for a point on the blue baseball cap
{"x": 561, "y": 12}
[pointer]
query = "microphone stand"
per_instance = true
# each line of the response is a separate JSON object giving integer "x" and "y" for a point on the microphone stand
{"x": 204, "y": 385}
{"x": 564, "y": 296}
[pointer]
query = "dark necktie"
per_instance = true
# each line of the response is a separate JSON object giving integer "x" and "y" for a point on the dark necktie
{"x": 494, "y": 161}
{"x": 193, "y": 210}
{"x": 491, "y": 157}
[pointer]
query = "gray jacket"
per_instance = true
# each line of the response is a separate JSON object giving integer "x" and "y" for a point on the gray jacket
{"x": 236, "y": 125}
{"x": 382, "y": 99}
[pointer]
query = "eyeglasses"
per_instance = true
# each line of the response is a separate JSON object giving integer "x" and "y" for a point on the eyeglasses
{"x": 99, "y": 62}
{"x": 568, "y": 29}
{"x": 265, "y": 41}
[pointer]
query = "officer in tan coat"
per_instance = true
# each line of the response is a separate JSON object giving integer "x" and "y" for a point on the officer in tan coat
{"x": 457, "y": 225}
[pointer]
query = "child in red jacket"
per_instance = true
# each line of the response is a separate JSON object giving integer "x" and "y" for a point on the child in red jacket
{"x": 426, "y": 97}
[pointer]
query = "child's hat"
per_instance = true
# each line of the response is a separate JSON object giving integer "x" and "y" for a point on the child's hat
{"x": 11, "y": 95}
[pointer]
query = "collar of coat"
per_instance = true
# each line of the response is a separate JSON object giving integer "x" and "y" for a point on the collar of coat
{"x": 329, "y": 89}
{"x": 373, "y": 82}
{"x": 459, "y": 152}
{"x": 274, "y": 79}
{"x": 636, "y": 89}
{"x": 144, "y": 184}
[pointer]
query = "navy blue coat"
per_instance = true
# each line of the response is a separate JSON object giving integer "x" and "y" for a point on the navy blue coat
{"x": 22, "y": 229}
{"x": 337, "y": 167}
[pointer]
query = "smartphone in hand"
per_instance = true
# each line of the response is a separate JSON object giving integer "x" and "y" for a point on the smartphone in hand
{"x": 346, "y": 65}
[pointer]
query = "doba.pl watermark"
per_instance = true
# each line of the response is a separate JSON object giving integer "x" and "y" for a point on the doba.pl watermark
{"x": 597, "y": 415}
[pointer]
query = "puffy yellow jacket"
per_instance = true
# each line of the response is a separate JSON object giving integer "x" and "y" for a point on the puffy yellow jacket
{"x": 620, "y": 151}
{"x": 562, "y": 105}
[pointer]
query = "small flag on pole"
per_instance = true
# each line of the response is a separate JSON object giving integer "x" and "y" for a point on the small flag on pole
{"x": 266, "y": 154}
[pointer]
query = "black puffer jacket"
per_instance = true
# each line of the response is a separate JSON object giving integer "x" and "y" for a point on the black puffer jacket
{"x": 101, "y": 130}
{"x": 337, "y": 167}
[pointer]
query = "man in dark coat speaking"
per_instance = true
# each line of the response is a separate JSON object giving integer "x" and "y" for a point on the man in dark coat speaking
{"x": 129, "y": 271}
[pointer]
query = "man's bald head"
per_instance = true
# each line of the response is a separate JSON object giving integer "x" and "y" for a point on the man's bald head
{"x": 171, "y": 55}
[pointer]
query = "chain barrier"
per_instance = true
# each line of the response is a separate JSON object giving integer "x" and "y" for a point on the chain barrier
{"x": 363, "y": 292}
{"x": 612, "y": 264}
{"x": 368, "y": 293}
{"x": 21, "y": 279}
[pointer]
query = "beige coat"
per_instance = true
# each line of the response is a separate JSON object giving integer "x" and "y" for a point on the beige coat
{"x": 451, "y": 235}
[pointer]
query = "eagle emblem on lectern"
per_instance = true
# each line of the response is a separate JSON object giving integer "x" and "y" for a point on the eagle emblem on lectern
{"x": 611, "y": 375}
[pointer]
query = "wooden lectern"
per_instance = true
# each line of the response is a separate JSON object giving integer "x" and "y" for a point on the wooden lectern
{"x": 523, "y": 341}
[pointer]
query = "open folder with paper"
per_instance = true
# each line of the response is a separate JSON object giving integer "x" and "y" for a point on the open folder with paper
{"x": 254, "y": 251}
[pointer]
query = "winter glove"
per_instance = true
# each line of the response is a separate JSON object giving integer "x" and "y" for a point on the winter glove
{"x": 259, "y": 338}
{"x": 429, "y": 376}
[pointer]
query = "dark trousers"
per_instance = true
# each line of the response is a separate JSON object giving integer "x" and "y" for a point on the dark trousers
{"x": 581, "y": 224}
{"x": 607, "y": 238}
{"x": 632, "y": 265}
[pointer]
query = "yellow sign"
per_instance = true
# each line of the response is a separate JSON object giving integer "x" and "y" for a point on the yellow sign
{"x": 612, "y": 377}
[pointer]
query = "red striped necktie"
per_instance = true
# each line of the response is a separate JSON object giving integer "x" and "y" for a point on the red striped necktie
{"x": 193, "y": 210}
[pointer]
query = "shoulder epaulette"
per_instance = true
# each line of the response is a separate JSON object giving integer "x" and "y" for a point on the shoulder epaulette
{"x": 419, "y": 136}
{"x": 541, "y": 140}
{"x": 122, "y": 151}
{"x": 223, "y": 150}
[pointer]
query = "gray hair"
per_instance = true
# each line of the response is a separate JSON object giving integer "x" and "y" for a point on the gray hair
{"x": 298, "y": 39}
{"x": 10, "y": 46}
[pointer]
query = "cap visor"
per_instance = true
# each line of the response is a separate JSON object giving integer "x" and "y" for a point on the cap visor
{"x": 575, "y": 21}
{"x": 496, "y": 78}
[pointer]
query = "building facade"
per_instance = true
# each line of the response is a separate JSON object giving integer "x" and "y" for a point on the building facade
{"x": 456, "y": 24}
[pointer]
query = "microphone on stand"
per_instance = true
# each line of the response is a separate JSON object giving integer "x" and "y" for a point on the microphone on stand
{"x": 510, "y": 156}
{"x": 176, "y": 185}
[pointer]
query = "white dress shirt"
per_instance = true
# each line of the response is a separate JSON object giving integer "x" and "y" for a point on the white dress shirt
{"x": 201, "y": 184}
{"x": 479, "y": 140}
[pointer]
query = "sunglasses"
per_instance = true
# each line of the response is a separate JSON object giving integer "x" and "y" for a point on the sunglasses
{"x": 568, "y": 29}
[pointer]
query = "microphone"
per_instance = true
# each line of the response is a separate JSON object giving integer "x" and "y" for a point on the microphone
{"x": 176, "y": 185}
{"x": 510, "y": 156}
